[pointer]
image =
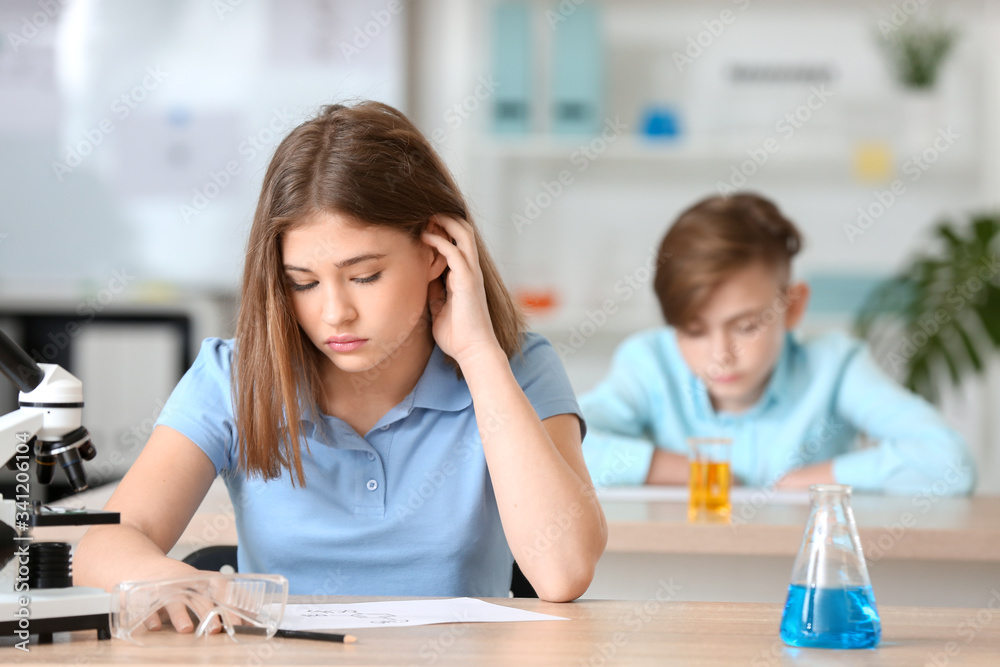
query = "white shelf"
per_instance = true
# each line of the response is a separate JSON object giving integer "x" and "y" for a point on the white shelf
{"x": 639, "y": 149}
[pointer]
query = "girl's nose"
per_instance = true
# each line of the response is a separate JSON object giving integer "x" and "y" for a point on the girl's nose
{"x": 337, "y": 307}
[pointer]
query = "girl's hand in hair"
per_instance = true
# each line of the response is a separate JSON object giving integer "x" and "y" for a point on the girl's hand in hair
{"x": 461, "y": 319}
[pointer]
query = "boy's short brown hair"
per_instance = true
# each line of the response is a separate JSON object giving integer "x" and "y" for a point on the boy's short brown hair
{"x": 711, "y": 241}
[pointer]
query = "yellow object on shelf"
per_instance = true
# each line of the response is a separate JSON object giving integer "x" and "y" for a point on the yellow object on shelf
{"x": 873, "y": 162}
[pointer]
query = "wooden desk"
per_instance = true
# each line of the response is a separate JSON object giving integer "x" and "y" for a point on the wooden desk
{"x": 890, "y": 527}
{"x": 601, "y": 632}
{"x": 921, "y": 550}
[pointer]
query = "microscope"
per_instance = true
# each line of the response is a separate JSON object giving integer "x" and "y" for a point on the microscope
{"x": 37, "y": 596}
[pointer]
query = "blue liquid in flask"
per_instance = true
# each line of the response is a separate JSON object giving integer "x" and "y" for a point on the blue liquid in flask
{"x": 831, "y": 618}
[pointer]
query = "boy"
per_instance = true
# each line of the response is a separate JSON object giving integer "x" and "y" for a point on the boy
{"x": 727, "y": 366}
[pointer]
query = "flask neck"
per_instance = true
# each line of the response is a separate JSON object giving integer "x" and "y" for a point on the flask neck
{"x": 830, "y": 555}
{"x": 827, "y": 495}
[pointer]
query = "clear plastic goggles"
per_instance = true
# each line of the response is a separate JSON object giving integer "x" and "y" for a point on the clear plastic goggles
{"x": 192, "y": 610}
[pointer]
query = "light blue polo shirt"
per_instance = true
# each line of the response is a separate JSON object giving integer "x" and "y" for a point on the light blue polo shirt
{"x": 821, "y": 395}
{"x": 407, "y": 509}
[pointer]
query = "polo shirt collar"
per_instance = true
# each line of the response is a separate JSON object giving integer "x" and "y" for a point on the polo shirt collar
{"x": 439, "y": 388}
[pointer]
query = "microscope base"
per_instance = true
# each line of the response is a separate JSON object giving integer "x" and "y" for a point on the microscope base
{"x": 57, "y": 610}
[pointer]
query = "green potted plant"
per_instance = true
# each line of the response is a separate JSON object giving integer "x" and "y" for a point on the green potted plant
{"x": 916, "y": 52}
{"x": 940, "y": 316}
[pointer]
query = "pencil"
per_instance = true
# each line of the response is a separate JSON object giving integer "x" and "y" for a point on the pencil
{"x": 319, "y": 636}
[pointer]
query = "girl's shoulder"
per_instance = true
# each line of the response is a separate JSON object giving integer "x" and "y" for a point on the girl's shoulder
{"x": 535, "y": 348}
{"x": 536, "y": 363}
{"x": 215, "y": 359}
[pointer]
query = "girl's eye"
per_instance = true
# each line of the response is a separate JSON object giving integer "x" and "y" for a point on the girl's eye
{"x": 369, "y": 279}
{"x": 302, "y": 288}
{"x": 749, "y": 327}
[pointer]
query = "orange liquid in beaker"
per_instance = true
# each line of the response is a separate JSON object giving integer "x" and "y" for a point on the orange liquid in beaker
{"x": 709, "y": 491}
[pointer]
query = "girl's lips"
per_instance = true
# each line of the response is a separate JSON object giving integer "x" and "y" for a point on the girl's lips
{"x": 345, "y": 344}
{"x": 726, "y": 379}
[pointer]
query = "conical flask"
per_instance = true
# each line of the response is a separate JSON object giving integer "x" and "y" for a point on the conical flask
{"x": 830, "y": 600}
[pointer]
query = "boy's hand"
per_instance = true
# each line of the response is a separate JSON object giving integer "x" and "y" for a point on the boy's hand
{"x": 801, "y": 478}
{"x": 668, "y": 468}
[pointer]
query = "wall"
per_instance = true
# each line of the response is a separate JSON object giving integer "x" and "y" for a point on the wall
{"x": 574, "y": 219}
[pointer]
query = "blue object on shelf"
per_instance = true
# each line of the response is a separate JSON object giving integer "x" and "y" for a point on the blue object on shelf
{"x": 512, "y": 49}
{"x": 661, "y": 122}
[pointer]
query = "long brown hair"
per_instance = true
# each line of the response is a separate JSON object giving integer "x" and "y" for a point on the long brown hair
{"x": 366, "y": 161}
{"x": 711, "y": 241}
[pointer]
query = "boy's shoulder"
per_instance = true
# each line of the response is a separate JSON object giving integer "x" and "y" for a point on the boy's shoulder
{"x": 831, "y": 350}
{"x": 658, "y": 344}
{"x": 830, "y": 344}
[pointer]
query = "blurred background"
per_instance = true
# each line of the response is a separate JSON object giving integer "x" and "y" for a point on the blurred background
{"x": 134, "y": 135}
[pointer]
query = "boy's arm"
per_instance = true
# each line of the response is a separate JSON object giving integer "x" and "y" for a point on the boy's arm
{"x": 916, "y": 450}
{"x": 617, "y": 448}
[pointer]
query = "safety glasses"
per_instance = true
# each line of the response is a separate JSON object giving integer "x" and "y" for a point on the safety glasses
{"x": 192, "y": 610}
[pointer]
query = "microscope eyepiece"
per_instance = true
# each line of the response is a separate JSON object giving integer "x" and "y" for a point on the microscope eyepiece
{"x": 18, "y": 366}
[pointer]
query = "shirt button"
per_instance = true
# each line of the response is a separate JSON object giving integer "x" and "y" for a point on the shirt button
{"x": 385, "y": 428}
{"x": 371, "y": 456}
{"x": 372, "y": 485}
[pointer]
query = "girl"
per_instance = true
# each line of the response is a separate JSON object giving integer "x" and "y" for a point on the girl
{"x": 383, "y": 424}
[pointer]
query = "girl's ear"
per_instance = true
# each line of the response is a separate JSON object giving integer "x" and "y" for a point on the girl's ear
{"x": 798, "y": 299}
{"x": 438, "y": 261}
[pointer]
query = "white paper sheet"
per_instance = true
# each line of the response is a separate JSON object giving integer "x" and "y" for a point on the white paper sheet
{"x": 403, "y": 612}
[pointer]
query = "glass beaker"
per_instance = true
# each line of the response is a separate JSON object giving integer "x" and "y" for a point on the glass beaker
{"x": 709, "y": 480}
{"x": 830, "y": 600}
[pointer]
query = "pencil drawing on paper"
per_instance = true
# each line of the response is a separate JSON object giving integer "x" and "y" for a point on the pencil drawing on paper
{"x": 375, "y": 618}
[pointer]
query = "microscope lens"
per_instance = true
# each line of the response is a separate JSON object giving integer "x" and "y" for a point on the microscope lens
{"x": 71, "y": 463}
{"x": 44, "y": 468}
{"x": 87, "y": 451}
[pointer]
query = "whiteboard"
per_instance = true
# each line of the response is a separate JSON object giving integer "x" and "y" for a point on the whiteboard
{"x": 135, "y": 134}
